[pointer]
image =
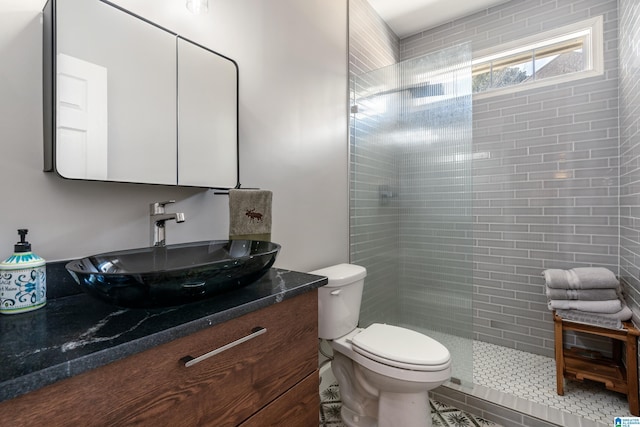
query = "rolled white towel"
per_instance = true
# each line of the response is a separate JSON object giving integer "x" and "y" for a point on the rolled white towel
{"x": 608, "y": 306}
{"x": 580, "y": 278}
{"x": 582, "y": 294}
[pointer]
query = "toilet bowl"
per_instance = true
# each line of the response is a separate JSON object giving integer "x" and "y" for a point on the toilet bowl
{"x": 384, "y": 372}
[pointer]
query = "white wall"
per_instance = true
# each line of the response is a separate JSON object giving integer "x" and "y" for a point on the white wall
{"x": 293, "y": 135}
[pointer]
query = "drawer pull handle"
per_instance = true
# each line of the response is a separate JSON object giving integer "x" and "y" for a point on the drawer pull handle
{"x": 190, "y": 361}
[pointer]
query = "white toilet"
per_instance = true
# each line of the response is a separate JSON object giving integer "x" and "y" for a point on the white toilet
{"x": 384, "y": 372}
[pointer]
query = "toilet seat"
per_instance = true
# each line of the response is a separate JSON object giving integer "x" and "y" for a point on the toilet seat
{"x": 406, "y": 372}
{"x": 401, "y": 348}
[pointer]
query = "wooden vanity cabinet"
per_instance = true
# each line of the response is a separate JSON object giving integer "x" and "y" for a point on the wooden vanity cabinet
{"x": 271, "y": 379}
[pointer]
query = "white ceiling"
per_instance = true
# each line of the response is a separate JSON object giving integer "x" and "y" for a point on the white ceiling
{"x": 408, "y": 17}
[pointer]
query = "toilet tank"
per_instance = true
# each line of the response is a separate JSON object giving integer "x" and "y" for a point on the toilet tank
{"x": 339, "y": 300}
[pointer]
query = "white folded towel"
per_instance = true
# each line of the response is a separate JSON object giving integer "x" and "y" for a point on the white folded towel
{"x": 582, "y": 294}
{"x": 589, "y": 319}
{"x": 608, "y": 306}
{"x": 623, "y": 315}
{"x": 580, "y": 278}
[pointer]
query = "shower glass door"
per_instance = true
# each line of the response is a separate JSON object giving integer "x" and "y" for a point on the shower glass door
{"x": 411, "y": 193}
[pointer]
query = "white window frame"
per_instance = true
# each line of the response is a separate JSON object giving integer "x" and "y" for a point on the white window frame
{"x": 594, "y": 55}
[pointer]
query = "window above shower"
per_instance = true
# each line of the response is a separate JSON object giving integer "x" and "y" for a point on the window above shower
{"x": 563, "y": 54}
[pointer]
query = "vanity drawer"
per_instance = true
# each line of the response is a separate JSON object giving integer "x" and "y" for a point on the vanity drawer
{"x": 298, "y": 407}
{"x": 155, "y": 388}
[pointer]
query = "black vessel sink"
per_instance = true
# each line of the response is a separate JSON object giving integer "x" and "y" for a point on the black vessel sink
{"x": 173, "y": 274}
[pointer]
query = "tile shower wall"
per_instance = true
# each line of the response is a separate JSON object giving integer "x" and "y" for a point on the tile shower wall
{"x": 372, "y": 45}
{"x": 630, "y": 148}
{"x": 545, "y": 172}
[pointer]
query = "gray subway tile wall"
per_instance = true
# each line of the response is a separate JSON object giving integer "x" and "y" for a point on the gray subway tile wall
{"x": 556, "y": 169}
{"x": 545, "y": 172}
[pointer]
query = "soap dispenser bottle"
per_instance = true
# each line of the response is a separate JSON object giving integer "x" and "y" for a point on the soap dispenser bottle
{"x": 23, "y": 279}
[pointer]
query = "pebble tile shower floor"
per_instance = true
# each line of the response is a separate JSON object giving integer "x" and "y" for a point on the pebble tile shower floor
{"x": 524, "y": 375}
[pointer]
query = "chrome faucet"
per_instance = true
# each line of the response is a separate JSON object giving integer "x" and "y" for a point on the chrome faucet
{"x": 158, "y": 218}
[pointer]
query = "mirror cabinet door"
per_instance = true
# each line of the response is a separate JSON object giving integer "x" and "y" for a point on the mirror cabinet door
{"x": 116, "y": 95}
{"x": 207, "y": 131}
{"x": 129, "y": 101}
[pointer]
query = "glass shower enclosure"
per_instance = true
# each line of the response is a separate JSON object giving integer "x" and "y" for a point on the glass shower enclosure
{"x": 411, "y": 198}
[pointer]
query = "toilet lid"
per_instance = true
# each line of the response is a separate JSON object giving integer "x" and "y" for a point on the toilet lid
{"x": 395, "y": 344}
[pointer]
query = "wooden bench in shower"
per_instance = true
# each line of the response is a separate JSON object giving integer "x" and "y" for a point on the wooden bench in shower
{"x": 618, "y": 373}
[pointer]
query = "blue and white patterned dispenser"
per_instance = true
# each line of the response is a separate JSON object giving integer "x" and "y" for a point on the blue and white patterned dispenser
{"x": 23, "y": 279}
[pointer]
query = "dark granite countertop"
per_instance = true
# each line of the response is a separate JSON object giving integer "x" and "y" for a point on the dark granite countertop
{"x": 76, "y": 333}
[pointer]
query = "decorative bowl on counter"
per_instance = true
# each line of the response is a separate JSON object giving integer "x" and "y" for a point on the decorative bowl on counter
{"x": 162, "y": 276}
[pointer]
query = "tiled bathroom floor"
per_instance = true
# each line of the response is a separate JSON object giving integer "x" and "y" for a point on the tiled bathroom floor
{"x": 441, "y": 414}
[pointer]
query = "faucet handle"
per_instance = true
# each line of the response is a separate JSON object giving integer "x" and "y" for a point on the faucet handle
{"x": 158, "y": 207}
